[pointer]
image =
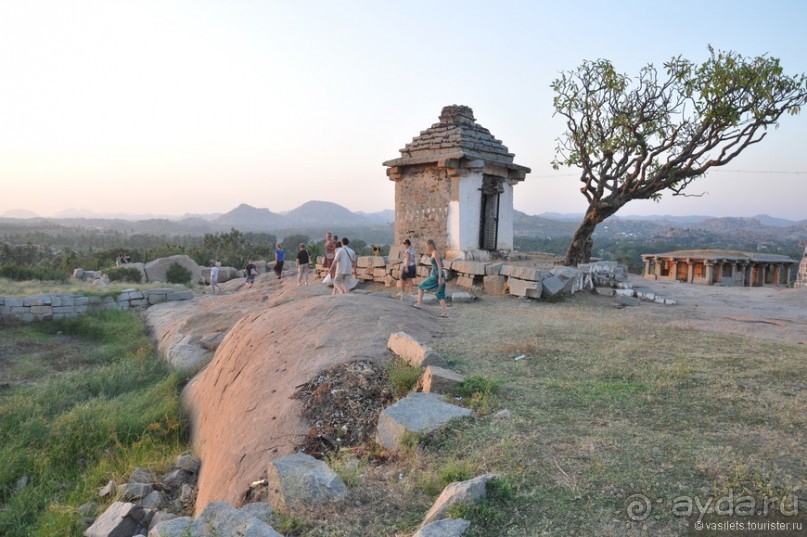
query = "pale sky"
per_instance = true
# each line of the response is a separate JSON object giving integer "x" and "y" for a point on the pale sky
{"x": 172, "y": 107}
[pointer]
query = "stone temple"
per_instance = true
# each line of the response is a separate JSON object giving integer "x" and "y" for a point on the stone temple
{"x": 454, "y": 184}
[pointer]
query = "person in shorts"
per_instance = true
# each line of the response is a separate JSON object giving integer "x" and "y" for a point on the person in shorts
{"x": 408, "y": 268}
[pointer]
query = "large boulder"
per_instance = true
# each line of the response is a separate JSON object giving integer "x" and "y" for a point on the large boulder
{"x": 241, "y": 406}
{"x": 156, "y": 271}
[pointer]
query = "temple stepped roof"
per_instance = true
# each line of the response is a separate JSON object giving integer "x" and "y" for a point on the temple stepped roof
{"x": 457, "y": 135}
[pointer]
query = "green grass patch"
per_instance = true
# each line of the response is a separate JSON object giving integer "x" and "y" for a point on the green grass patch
{"x": 115, "y": 406}
{"x": 478, "y": 393}
{"x": 403, "y": 377}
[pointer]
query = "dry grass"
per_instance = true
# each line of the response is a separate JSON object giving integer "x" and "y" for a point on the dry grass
{"x": 602, "y": 409}
{"x": 11, "y": 288}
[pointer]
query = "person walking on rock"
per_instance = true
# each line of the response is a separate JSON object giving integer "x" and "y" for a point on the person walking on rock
{"x": 280, "y": 257}
{"x": 436, "y": 280}
{"x": 330, "y": 250}
{"x": 250, "y": 271}
{"x": 408, "y": 268}
{"x": 214, "y": 277}
{"x": 303, "y": 261}
{"x": 344, "y": 264}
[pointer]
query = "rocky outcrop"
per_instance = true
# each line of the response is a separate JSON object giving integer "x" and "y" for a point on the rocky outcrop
{"x": 157, "y": 270}
{"x": 241, "y": 406}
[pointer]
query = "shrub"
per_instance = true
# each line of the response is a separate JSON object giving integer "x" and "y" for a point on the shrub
{"x": 178, "y": 274}
{"x": 124, "y": 274}
{"x": 18, "y": 273}
{"x": 478, "y": 392}
{"x": 402, "y": 376}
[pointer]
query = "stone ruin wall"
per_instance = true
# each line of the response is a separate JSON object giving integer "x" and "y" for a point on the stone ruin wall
{"x": 422, "y": 198}
{"x": 801, "y": 277}
{"x": 49, "y": 307}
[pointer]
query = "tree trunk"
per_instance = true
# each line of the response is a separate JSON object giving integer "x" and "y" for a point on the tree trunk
{"x": 580, "y": 248}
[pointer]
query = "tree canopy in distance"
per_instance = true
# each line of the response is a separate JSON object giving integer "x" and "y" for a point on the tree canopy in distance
{"x": 634, "y": 139}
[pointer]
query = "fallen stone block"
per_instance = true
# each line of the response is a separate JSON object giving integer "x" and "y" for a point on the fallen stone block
{"x": 624, "y": 292}
{"x": 469, "y": 267}
{"x": 467, "y": 492}
{"x": 493, "y": 269}
{"x": 302, "y": 479}
{"x": 552, "y": 286}
{"x": 217, "y": 519}
{"x": 628, "y": 300}
{"x": 665, "y": 300}
{"x": 448, "y": 527}
{"x": 645, "y": 293}
{"x": 439, "y": 380}
{"x": 121, "y": 519}
{"x": 419, "y": 413}
{"x": 604, "y": 291}
{"x": 523, "y": 273}
{"x": 524, "y": 287}
{"x": 495, "y": 285}
{"x": 413, "y": 352}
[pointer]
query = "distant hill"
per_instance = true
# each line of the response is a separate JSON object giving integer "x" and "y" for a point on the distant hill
{"x": 248, "y": 218}
{"x": 19, "y": 213}
{"x": 324, "y": 213}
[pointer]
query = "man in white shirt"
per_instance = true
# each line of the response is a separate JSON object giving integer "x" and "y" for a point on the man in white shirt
{"x": 214, "y": 277}
{"x": 344, "y": 264}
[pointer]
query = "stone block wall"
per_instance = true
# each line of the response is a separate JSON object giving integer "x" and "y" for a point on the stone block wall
{"x": 422, "y": 198}
{"x": 495, "y": 277}
{"x": 49, "y": 307}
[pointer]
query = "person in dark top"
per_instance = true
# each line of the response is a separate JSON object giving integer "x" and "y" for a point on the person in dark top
{"x": 250, "y": 271}
{"x": 280, "y": 257}
{"x": 303, "y": 262}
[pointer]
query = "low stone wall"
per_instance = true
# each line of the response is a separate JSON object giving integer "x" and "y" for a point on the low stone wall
{"x": 48, "y": 307}
{"x": 519, "y": 278}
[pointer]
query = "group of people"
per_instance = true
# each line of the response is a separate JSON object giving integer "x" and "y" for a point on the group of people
{"x": 303, "y": 264}
{"x": 340, "y": 260}
{"x": 122, "y": 259}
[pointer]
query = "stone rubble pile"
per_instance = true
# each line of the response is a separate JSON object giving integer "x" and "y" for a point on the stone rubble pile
{"x": 499, "y": 278}
{"x": 144, "y": 501}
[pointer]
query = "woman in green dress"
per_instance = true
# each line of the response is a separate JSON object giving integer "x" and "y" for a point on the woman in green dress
{"x": 436, "y": 280}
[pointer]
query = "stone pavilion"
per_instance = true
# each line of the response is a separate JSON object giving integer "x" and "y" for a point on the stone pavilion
{"x": 719, "y": 267}
{"x": 454, "y": 184}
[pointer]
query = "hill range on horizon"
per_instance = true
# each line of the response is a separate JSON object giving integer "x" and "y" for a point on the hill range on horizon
{"x": 315, "y": 213}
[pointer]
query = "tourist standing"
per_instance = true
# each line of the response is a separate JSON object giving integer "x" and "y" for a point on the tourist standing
{"x": 436, "y": 280}
{"x": 303, "y": 262}
{"x": 214, "y": 277}
{"x": 344, "y": 265}
{"x": 280, "y": 257}
{"x": 408, "y": 268}
{"x": 250, "y": 271}
{"x": 330, "y": 250}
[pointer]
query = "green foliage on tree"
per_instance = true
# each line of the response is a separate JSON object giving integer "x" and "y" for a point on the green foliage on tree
{"x": 124, "y": 274}
{"x": 233, "y": 249}
{"x": 176, "y": 273}
{"x": 636, "y": 138}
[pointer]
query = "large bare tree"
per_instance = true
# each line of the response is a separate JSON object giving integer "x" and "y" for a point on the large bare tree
{"x": 634, "y": 139}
